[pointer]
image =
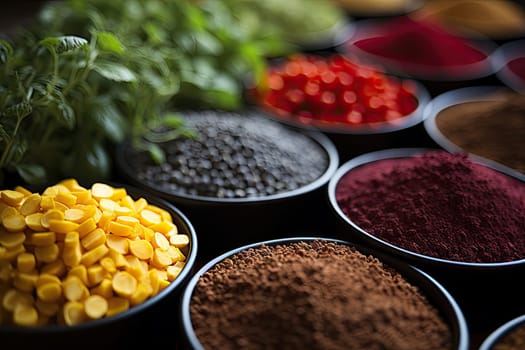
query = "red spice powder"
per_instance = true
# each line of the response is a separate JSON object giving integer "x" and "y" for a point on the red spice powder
{"x": 420, "y": 42}
{"x": 438, "y": 204}
{"x": 517, "y": 66}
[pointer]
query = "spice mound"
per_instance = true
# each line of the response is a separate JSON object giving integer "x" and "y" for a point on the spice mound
{"x": 335, "y": 92}
{"x": 491, "y": 129}
{"x": 513, "y": 339}
{"x": 312, "y": 295}
{"x": 74, "y": 254}
{"x": 402, "y": 40}
{"x": 233, "y": 155}
{"x": 438, "y": 204}
{"x": 493, "y": 19}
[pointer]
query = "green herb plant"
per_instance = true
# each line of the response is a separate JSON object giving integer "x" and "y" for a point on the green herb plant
{"x": 90, "y": 74}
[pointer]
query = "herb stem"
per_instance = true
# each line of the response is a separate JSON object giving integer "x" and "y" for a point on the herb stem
{"x": 5, "y": 154}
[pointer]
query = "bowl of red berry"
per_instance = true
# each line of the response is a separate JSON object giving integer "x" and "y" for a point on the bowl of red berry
{"x": 358, "y": 106}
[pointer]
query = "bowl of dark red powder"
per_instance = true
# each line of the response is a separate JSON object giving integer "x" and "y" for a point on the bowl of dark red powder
{"x": 240, "y": 177}
{"x": 317, "y": 293}
{"x": 509, "y": 62}
{"x": 421, "y": 49}
{"x": 488, "y": 122}
{"x": 432, "y": 207}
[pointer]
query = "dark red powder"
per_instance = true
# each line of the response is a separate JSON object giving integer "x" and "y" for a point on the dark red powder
{"x": 438, "y": 204}
{"x": 517, "y": 66}
{"x": 420, "y": 42}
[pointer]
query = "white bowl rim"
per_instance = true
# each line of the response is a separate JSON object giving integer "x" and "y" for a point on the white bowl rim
{"x": 504, "y": 329}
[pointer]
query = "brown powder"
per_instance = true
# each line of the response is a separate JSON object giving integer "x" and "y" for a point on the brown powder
{"x": 513, "y": 340}
{"x": 492, "y": 129}
{"x": 493, "y": 19}
{"x": 316, "y": 295}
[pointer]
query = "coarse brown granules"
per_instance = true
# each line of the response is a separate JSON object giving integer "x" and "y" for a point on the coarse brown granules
{"x": 491, "y": 129}
{"x": 312, "y": 295}
{"x": 513, "y": 340}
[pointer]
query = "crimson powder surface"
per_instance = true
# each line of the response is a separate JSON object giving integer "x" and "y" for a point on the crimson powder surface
{"x": 438, "y": 204}
{"x": 312, "y": 295}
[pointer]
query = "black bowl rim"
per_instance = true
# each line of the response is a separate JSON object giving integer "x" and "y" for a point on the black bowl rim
{"x": 422, "y": 97}
{"x": 135, "y": 310}
{"x": 435, "y": 73}
{"x": 463, "y": 95}
{"x": 502, "y": 56}
{"x": 412, "y": 256}
{"x": 430, "y": 287}
{"x": 495, "y": 336}
{"x": 322, "y": 140}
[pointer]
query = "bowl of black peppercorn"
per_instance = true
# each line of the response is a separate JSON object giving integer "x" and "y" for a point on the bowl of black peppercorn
{"x": 240, "y": 177}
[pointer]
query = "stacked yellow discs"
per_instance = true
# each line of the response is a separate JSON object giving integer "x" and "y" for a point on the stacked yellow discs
{"x": 73, "y": 254}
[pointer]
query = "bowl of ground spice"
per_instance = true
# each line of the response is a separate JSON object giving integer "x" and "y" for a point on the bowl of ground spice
{"x": 421, "y": 49}
{"x": 241, "y": 176}
{"x": 317, "y": 293}
{"x": 509, "y": 336}
{"x": 456, "y": 218}
{"x": 488, "y": 122}
{"x": 431, "y": 205}
{"x": 378, "y": 8}
{"x": 87, "y": 266}
{"x": 509, "y": 63}
{"x": 358, "y": 106}
{"x": 500, "y": 21}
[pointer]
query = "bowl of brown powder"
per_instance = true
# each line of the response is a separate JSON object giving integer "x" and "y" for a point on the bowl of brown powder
{"x": 317, "y": 293}
{"x": 508, "y": 336}
{"x": 487, "y": 122}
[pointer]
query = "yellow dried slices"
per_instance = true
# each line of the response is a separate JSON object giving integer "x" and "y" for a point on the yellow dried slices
{"x": 73, "y": 254}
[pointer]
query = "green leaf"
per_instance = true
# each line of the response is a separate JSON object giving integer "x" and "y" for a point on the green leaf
{"x": 70, "y": 42}
{"x": 111, "y": 122}
{"x": 172, "y": 120}
{"x": 225, "y": 83}
{"x": 88, "y": 163}
{"x": 154, "y": 33}
{"x": 114, "y": 71}
{"x": 67, "y": 115}
{"x": 31, "y": 173}
{"x": 208, "y": 43}
{"x": 20, "y": 110}
{"x": 97, "y": 159}
{"x": 156, "y": 153}
{"x": 4, "y": 136}
{"x": 50, "y": 43}
{"x": 109, "y": 42}
{"x": 6, "y": 50}
{"x": 222, "y": 99}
